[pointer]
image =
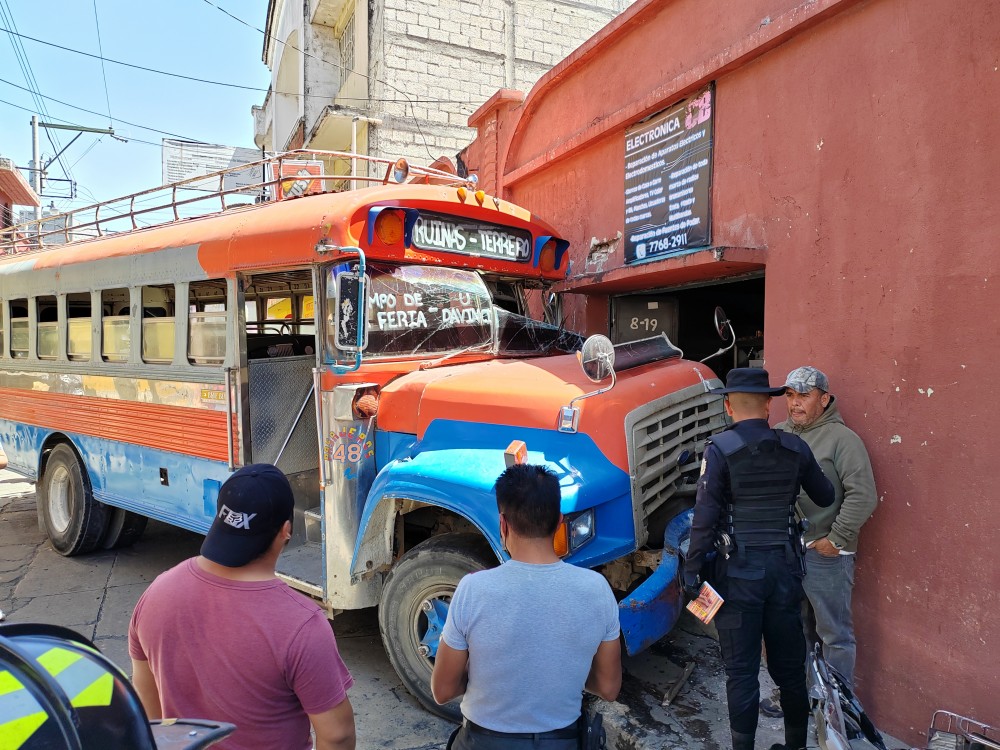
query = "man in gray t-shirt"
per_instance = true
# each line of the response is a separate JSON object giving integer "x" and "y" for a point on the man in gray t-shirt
{"x": 524, "y": 640}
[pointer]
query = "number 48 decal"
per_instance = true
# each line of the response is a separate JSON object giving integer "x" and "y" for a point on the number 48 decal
{"x": 351, "y": 452}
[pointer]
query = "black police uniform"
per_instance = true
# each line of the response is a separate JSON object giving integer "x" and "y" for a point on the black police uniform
{"x": 750, "y": 481}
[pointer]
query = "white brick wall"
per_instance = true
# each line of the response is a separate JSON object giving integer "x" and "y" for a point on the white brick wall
{"x": 458, "y": 54}
{"x": 432, "y": 63}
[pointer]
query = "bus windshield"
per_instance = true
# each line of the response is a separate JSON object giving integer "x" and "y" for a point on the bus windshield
{"x": 420, "y": 310}
{"x": 424, "y": 310}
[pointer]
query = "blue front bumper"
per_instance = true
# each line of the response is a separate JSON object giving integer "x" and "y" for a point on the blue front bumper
{"x": 649, "y": 612}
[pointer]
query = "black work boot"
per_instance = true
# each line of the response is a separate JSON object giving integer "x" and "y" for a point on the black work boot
{"x": 742, "y": 741}
{"x": 795, "y": 737}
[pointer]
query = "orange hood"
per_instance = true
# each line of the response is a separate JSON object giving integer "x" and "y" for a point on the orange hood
{"x": 529, "y": 393}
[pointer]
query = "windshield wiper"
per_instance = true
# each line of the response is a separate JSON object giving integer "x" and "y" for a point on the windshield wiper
{"x": 466, "y": 350}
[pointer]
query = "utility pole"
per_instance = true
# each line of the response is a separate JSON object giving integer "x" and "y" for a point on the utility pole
{"x": 38, "y": 169}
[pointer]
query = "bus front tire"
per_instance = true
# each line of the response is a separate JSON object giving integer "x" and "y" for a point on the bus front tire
{"x": 72, "y": 519}
{"x": 429, "y": 571}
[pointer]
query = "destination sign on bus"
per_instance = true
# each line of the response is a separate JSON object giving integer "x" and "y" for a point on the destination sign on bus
{"x": 454, "y": 235}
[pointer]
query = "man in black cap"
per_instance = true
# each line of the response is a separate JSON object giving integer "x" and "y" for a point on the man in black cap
{"x": 745, "y": 514}
{"x": 220, "y": 637}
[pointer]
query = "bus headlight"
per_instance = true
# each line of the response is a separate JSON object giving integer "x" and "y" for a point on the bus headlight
{"x": 581, "y": 529}
{"x": 574, "y": 532}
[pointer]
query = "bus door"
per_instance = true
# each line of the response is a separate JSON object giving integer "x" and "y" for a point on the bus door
{"x": 279, "y": 340}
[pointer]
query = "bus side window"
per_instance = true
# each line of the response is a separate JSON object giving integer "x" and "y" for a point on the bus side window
{"x": 47, "y": 313}
{"x": 207, "y": 322}
{"x": 19, "y": 328}
{"x": 79, "y": 341}
{"x": 158, "y": 324}
{"x": 116, "y": 335}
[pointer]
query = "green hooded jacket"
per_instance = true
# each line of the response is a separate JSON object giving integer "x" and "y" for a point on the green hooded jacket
{"x": 844, "y": 460}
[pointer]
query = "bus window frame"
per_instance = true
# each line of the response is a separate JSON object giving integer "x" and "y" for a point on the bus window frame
{"x": 234, "y": 295}
{"x": 64, "y": 329}
{"x": 37, "y": 300}
{"x": 29, "y": 353}
{"x": 143, "y": 319}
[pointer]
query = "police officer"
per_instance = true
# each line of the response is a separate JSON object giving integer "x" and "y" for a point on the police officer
{"x": 745, "y": 513}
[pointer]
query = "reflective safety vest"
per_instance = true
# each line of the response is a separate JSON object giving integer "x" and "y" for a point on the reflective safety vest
{"x": 764, "y": 484}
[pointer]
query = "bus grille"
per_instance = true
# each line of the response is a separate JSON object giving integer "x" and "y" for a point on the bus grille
{"x": 666, "y": 442}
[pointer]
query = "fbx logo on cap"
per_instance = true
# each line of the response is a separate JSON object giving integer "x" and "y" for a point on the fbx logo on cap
{"x": 253, "y": 505}
{"x": 235, "y": 518}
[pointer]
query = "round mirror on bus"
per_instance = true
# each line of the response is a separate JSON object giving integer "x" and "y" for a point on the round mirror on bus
{"x": 722, "y": 323}
{"x": 400, "y": 170}
{"x": 597, "y": 358}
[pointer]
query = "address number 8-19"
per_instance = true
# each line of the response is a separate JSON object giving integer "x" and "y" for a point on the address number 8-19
{"x": 645, "y": 324}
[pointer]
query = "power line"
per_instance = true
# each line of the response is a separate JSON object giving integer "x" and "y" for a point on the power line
{"x": 227, "y": 84}
{"x": 88, "y": 150}
{"x": 29, "y": 77}
{"x": 99, "y": 114}
{"x": 413, "y": 114}
{"x": 104, "y": 73}
{"x": 70, "y": 122}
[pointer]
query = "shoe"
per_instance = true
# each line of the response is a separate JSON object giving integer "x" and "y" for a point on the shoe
{"x": 771, "y": 706}
{"x": 795, "y": 737}
{"x": 742, "y": 741}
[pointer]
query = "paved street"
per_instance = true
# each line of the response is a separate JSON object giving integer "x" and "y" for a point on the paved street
{"x": 94, "y": 594}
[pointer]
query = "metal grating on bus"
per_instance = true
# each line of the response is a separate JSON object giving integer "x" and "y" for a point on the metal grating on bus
{"x": 666, "y": 442}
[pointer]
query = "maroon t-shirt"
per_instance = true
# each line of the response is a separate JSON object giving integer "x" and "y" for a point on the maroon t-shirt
{"x": 253, "y": 653}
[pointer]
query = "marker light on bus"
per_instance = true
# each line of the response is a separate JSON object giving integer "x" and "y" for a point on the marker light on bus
{"x": 480, "y": 197}
{"x": 389, "y": 227}
{"x": 547, "y": 258}
{"x": 461, "y": 194}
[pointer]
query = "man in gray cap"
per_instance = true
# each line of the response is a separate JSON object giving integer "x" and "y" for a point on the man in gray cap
{"x": 832, "y": 537}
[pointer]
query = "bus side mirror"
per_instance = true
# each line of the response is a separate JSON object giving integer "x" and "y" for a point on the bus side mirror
{"x": 350, "y": 321}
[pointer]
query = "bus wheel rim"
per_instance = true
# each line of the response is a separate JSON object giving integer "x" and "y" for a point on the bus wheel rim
{"x": 60, "y": 497}
{"x": 423, "y": 619}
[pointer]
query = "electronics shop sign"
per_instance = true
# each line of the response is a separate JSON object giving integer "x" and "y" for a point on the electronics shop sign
{"x": 668, "y": 180}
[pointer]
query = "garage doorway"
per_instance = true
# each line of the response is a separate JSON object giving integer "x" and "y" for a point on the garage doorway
{"x": 685, "y": 314}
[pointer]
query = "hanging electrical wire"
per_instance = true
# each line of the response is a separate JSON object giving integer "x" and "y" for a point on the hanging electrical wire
{"x": 104, "y": 73}
{"x": 99, "y": 114}
{"x": 413, "y": 113}
{"x": 130, "y": 139}
{"x": 226, "y": 84}
{"x": 7, "y": 16}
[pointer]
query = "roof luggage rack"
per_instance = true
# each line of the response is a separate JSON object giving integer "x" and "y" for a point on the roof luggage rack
{"x": 291, "y": 174}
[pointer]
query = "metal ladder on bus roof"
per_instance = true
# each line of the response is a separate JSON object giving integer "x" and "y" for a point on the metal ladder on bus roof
{"x": 272, "y": 183}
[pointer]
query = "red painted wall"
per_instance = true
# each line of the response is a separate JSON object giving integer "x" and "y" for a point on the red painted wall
{"x": 856, "y": 152}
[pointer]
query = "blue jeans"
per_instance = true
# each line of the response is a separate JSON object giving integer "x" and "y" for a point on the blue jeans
{"x": 464, "y": 739}
{"x": 826, "y": 610}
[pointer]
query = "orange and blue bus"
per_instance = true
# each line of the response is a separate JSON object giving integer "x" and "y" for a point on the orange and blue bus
{"x": 375, "y": 345}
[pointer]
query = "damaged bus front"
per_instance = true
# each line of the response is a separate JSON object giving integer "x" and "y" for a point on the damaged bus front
{"x": 623, "y": 428}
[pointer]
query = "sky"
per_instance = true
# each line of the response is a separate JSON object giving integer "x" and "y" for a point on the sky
{"x": 185, "y": 37}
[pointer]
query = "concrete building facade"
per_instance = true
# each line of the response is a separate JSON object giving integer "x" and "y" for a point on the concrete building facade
{"x": 14, "y": 191}
{"x": 398, "y": 78}
{"x": 850, "y": 180}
